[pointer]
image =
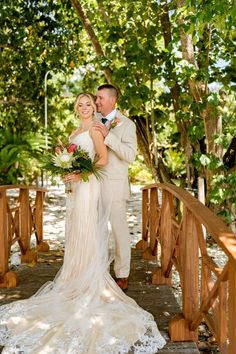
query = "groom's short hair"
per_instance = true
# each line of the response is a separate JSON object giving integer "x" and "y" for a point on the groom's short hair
{"x": 111, "y": 88}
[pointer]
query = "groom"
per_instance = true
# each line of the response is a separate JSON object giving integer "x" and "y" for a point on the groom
{"x": 120, "y": 137}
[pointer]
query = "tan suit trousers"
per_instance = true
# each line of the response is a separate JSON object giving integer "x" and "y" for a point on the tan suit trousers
{"x": 121, "y": 235}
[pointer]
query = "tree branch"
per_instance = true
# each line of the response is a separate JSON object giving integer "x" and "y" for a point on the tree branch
{"x": 92, "y": 36}
{"x": 3, "y": 45}
{"x": 103, "y": 12}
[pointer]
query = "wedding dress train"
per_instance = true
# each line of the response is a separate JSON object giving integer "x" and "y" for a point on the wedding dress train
{"x": 82, "y": 311}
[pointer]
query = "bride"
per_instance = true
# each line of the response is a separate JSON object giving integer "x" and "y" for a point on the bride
{"x": 82, "y": 311}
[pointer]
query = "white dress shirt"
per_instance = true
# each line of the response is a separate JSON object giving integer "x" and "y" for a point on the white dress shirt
{"x": 111, "y": 115}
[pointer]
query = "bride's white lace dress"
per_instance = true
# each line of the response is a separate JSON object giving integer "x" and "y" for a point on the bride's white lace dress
{"x": 82, "y": 310}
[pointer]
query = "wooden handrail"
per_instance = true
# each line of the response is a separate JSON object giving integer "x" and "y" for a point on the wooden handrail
{"x": 32, "y": 188}
{"x": 223, "y": 236}
{"x": 17, "y": 223}
{"x": 179, "y": 232}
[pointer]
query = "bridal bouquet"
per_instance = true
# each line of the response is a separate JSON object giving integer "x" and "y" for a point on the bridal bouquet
{"x": 71, "y": 159}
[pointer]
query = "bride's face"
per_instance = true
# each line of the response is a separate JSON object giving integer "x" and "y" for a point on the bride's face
{"x": 85, "y": 108}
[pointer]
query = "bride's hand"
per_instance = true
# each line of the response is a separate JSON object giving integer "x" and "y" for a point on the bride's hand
{"x": 58, "y": 150}
{"x": 72, "y": 177}
{"x": 101, "y": 128}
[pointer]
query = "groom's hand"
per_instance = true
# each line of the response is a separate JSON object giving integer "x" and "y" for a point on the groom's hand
{"x": 101, "y": 128}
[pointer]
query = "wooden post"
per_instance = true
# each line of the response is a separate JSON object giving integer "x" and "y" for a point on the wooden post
{"x": 143, "y": 244}
{"x": 145, "y": 207}
{"x": 24, "y": 219}
{"x": 232, "y": 310}
{"x": 222, "y": 317}
{"x": 153, "y": 219}
{"x": 151, "y": 252}
{"x": 28, "y": 255}
{"x": 7, "y": 278}
{"x": 190, "y": 269}
{"x": 42, "y": 246}
{"x": 206, "y": 280}
{"x": 179, "y": 325}
{"x": 158, "y": 276}
{"x": 166, "y": 229}
{"x": 3, "y": 236}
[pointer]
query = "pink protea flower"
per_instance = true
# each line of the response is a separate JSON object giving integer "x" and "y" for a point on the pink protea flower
{"x": 72, "y": 148}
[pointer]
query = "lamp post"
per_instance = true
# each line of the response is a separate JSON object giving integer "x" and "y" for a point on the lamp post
{"x": 45, "y": 116}
{"x": 45, "y": 122}
{"x": 46, "y": 108}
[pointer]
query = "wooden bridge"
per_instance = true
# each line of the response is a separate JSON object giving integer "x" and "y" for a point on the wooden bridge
{"x": 21, "y": 215}
{"x": 175, "y": 227}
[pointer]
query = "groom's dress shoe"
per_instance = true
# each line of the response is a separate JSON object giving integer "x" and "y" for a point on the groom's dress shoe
{"x": 123, "y": 283}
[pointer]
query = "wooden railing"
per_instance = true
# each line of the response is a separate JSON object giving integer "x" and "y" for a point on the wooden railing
{"x": 19, "y": 219}
{"x": 172, "y": 232}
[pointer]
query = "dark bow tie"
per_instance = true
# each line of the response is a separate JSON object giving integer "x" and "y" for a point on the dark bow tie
{"x": 104, "y": 120}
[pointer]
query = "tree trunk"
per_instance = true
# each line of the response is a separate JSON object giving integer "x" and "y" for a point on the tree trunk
{"x": 199, "y": 91}
{"x": 229, "y": 158}
{"x": 157, "y": 169}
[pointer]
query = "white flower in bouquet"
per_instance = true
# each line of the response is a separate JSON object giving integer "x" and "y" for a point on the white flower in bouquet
{"x": 63, "y": 160}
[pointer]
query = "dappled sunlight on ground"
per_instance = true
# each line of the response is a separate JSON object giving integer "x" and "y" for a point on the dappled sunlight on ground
{"x": 134, "y": 214}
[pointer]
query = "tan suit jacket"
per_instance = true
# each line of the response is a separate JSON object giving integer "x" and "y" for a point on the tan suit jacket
{"x": 122, "y": 146}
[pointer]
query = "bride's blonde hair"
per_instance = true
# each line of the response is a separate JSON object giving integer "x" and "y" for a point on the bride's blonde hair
{"x": 91, "y": 98}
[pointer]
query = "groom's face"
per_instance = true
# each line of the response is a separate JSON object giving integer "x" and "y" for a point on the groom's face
{"x": 105, "y": 102}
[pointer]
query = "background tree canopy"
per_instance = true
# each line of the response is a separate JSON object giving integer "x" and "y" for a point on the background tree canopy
{"x": 172, "y": 62}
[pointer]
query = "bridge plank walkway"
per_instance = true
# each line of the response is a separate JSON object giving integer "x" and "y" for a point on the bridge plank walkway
{"x": 159, "y": 300}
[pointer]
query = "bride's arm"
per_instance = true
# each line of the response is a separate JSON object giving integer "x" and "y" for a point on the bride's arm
{"x": 100, "y": 147}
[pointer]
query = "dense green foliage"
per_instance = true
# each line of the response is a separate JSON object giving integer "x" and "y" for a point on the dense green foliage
{"x": 35, "y": 37}
{"x": 172, "y": 62}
